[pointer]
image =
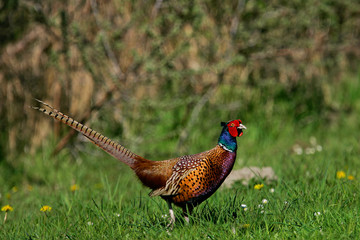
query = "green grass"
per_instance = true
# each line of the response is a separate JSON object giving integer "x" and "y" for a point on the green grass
{"x": 111, "y": 204}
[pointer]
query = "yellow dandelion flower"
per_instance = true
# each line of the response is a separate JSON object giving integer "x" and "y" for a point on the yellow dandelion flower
{"x": 29, "y": 188}
{"x": 351, "y": 177}
{"x": 340, "y": 174}
{"x": 8, "y": 195}
{"x": 74, "y": 187}
{"x": 45, "y": 208}
{"x": 258, "y": 186}
{"x": 7, "y": 208}
{"x": 14, "y": 189}
{"x": 246, "y": 225}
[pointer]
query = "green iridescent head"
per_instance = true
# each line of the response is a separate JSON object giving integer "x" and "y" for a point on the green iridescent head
{"x": 231, "y": 130}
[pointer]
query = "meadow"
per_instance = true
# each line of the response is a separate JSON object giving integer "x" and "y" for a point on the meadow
{"x": 159, "y": 77}
{"x": 92, "y": 196}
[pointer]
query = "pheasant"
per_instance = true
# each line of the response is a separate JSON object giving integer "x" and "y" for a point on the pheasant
{"x": 184, "y": 181}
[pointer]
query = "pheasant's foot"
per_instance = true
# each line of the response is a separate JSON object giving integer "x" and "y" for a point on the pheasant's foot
{"x": 187, "y": 221}
{"x": 172, "y": 217}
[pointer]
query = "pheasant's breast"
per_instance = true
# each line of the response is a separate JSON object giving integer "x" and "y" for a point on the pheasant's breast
{"x": 209, "y": 172}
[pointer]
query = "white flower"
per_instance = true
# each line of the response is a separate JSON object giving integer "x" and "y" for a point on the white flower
{"x": 260, "y": 206}
{"x": 319, "y": 148}
{"x": 286, "y": 202}
{"x": 244, "y": 207}
{"x": 316, "y": 214}
{"x": 90, "y": 223}
{"x": 117, "y": 214}
{"x": 297, "y": 149}
{"x": 272, "y": 190}
{"x": 164, "y": 216}
{"x": 309, "y": 151}
{"x": 264, "y": 201}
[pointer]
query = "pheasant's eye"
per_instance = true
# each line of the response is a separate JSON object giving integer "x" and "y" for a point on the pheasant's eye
{"x": 232, "y": 124}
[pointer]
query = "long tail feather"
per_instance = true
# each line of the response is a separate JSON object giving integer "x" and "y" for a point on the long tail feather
{"x": 111, "y": 147}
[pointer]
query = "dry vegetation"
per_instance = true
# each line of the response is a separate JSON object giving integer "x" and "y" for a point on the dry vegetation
{"x": 137, "y": 59}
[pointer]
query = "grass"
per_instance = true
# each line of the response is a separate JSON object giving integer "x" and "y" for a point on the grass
{"x": 308, "y": 200}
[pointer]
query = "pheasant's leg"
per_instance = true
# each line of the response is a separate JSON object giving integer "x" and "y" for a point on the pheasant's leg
{"x": 172, "y": 216}
{"x": 186, "y": 212}
{"x": 187, "y": 219}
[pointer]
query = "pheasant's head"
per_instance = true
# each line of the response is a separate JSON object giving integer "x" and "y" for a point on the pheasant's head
{"x": 234, "y": 127}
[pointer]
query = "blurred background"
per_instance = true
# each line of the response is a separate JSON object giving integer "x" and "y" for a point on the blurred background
{"x": 160, "y": 76}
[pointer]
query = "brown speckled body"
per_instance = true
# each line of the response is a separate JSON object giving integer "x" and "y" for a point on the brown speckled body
{"x": 212, "y": 168}
{"x": 196, "y": 177}
{"x": 188, "y": 180}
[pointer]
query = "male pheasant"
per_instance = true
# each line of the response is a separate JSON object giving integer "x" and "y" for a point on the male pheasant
{"x": 185, "y": 181}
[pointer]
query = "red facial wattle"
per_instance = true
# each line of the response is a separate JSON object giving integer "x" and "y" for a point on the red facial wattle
{"x": 234, "y": 129}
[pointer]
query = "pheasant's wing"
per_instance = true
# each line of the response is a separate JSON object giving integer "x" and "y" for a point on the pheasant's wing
{"x": 181, "y": 169}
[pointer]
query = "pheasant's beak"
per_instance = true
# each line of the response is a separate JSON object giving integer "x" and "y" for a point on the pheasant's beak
{"x": 240, "y": 129}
